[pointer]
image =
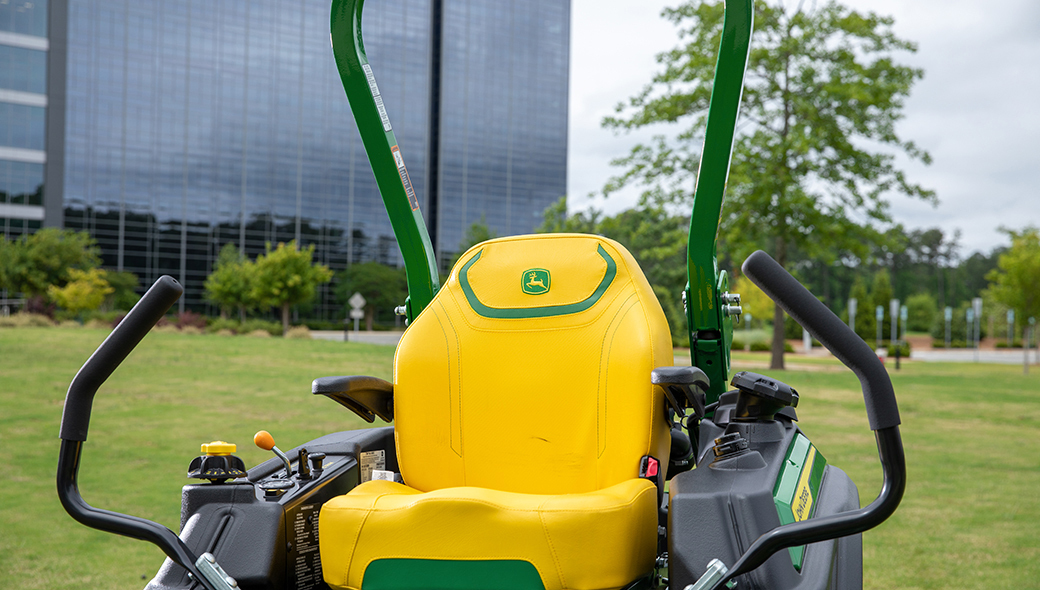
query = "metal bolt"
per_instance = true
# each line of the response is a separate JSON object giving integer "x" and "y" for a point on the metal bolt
{"x": 733, "y": 298}
{"x": 400, "y": 310}
{"x": 732, "y": 310}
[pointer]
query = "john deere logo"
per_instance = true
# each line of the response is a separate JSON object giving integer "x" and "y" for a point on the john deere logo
{"x": 535, "y": 281}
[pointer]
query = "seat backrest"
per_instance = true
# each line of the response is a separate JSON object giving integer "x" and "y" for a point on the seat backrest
{"x": 530, "y": 370}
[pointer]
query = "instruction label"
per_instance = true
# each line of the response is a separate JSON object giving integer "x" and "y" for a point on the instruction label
{"x": 371, "y": 78}
{"x": 372, "y": 460}
{"x": 405, "y": 180}
{"x": 304, "y": 559}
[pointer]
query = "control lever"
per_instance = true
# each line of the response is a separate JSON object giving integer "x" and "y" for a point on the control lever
{"x": 265, "y": 441}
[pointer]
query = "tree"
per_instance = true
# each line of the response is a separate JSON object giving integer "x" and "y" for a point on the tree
{"x": 85, "y": 291}
{"x": 822, "y": 91}
{"x": 286, "y": 276}
{"x": 230, "y": 285}
{"x": 34, "y": 262}
{"x": 864, "y": 325}
{"x": 921, "y": 312}
{"x": 382, "y": 286}
{"x": 124, "y": 289}
{"x": 477, "y": 232}
{"x": 1014, "y": 282}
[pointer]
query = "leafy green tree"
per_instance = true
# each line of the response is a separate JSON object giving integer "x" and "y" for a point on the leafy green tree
{"x": 477, "y": 232}
{"x": 921, "y": 312}
{"x": 1016, "y": 280}
{"x": 124, "y": 289}
{"x": 864, "y": 309}
{"x": 85, "y": 291}
{"x": 230, "y": 285}
{"x": 34, "y": 262}
{"x": 823, "y": 92}
{"x": 382, "y": 286}
{"x": 286, "y": 276}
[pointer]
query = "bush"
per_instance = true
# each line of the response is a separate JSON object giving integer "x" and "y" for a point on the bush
{"x": 299, "y": 333}
{"x": 218, "y": 325}
{"x": 737, "y": 345}
{"x": 165, "y": 328}
{"x": 97, "y": 324}
{"x": 272, "y": 328}
{"x": 190, "y": 329}
{"x": 190, "y": 318}
{"x": 904, "y": 349}
{"x": 259, "y": 334}
{"x": 323, "y": 324}
{"x": 224, "y": 332}
{"x": 26, "y": 320}
{"x": 1004, "y": 344}
{"x": 760, "y": 347}
{"x": 69, "y": 324}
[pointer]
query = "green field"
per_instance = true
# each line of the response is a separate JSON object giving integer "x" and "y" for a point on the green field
{"x": 972, "y": 436}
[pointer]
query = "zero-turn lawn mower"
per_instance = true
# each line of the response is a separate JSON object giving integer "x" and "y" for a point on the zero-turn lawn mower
{"x": 537, "y": 417}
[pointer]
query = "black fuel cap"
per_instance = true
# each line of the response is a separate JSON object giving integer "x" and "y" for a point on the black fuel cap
{"x": 761, "y": 397}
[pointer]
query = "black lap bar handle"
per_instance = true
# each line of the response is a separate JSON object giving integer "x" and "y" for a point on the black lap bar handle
{"x": 76, "y": 418}
{"x": 882, "y": 414}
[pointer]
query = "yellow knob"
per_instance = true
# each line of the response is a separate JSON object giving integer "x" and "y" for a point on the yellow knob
{"x": 218, "y": 447}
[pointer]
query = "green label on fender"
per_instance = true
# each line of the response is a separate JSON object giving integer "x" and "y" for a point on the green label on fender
{"x": 535, "y": 281}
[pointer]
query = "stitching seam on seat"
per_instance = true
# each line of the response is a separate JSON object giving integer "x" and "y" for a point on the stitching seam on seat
{"x": 552, "y": 548}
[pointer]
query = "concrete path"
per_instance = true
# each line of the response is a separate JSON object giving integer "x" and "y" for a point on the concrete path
{"x": 967, "y": 355}
{"x": 384, "y": 338}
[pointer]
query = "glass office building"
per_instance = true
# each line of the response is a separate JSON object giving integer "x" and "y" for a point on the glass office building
{"x": 168, "y": 129}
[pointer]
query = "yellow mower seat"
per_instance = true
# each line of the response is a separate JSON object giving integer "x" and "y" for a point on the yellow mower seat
{"x": 523, "y": 411}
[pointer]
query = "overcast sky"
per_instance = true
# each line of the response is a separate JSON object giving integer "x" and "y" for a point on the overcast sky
{"x": 977, "y": 110}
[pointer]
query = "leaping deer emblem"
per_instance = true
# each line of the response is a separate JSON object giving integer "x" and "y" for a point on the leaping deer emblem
{"x": 533, "y": 281}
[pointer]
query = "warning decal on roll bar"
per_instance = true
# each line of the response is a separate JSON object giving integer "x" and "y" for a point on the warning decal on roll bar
{"x": 376, "y": 96}
{"x": 407, "y": 182}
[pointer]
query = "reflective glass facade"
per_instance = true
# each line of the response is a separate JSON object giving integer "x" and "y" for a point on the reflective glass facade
{"x": 504, "y": 115}
{"x": 23, "y": 99}
{"x": 189, "y": 124}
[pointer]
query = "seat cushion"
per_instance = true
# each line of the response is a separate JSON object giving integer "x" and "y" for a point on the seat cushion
{"x": 594, "y": 540}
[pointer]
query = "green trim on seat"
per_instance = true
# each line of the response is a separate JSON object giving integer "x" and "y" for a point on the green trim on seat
{"x": 536, "y": 312}
{"x": 445, "y": 574}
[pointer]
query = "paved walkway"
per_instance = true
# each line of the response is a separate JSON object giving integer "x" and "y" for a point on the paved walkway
{"x": 385, "y": 338}
{"x": 967, "y": 355}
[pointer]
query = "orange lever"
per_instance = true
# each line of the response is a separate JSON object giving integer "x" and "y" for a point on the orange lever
{"x": 264, "y": 440}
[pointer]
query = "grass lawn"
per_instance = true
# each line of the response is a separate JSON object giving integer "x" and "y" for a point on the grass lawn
{"x": 972, "y": 436}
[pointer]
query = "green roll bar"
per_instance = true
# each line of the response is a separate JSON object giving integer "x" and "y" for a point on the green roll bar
{"x": 399, "y": 198}
{"x": 708, "y": 305}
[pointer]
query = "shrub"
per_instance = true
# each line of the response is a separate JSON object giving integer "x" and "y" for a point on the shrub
{"x": 760, "y": 347}
{"x": 69, "y": 324}
{"x": 259, "y": 334}
{"x": 272, "y": 328}
{"x": 224, "y": 332}
{"x": 26, "y": 320}
{"x": 299, "y": 333}
{"x": 190, "y": 318}
{"x": 1004, "y": 344}
{"x": 737, "y": 345}
{"x": 323, "y": 324}
{"x": 96, "y": 324}
{"x": 190, "y": 329}
{"x": 904, "y": 349}
{"x": 218, "y": 325}
{"x": 165, "y": 328}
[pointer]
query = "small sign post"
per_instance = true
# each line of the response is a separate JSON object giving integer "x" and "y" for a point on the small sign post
{"x": 948, "y": 314}
{"x": 852, "y": 313}
{"x": 357, "y": 303}
{"x": 976, "y": 304}
{"x": 879, "y": 315}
